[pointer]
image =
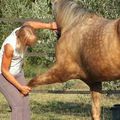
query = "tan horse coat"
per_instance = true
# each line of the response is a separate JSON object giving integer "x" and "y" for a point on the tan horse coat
{"x": 88, "y": 49}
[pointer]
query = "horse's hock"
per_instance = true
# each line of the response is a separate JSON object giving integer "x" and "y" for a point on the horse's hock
{"x": 116, "y": 112}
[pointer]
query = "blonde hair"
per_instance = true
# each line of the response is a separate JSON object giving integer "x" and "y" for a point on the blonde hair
{"x": 24, "y": 34}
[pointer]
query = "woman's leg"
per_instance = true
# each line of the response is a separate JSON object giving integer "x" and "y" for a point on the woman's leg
{"x": 26, "y": 107}
{"x": 17, "y": 102}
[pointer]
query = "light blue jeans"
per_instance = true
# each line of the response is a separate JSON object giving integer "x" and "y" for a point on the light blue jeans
{"x": 19, "y": 104}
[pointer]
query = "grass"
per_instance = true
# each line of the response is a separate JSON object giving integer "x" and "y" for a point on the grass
{"x": 61, "y": 107}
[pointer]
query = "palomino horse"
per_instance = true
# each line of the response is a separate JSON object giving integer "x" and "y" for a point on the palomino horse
{"x": 88, "y": 49}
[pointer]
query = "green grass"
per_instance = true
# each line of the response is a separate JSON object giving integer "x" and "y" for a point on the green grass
{"x": 61, "y": 107}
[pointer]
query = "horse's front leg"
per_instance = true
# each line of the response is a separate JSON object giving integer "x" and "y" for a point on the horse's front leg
{"x": 96, "y": 94}
{"x": 54, "y": 75}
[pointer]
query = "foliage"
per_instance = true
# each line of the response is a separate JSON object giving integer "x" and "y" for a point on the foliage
{"x": 39, "y": 9}
{"x": 34, "y": 9}
{"x": 107, "y": 8}
{"x": 113, "y": 85}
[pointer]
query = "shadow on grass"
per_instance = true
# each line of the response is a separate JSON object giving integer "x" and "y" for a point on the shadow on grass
{"x": 106, "y": 113}
{"x": 62, "y": 108}
{"x": 57, "y": 107}
{"x": 4, "y": 108}
{"x": 69, "y": 108}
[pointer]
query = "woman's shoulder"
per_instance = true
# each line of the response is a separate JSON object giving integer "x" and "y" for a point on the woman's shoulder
{"x": 12, "y": 37}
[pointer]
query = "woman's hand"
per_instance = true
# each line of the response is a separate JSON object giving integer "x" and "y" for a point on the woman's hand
{"x": 25, "y": 90}
{"x": 53, "y": 26}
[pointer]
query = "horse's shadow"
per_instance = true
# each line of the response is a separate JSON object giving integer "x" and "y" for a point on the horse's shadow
{"x": 66, "y": 108}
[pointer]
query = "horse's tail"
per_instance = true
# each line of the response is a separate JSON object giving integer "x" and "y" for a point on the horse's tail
{"x": 118, "y": 28}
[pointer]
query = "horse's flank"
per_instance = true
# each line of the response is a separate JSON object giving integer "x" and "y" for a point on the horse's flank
{"x": 96, "y": 40}
{"x": 88, "y": 49}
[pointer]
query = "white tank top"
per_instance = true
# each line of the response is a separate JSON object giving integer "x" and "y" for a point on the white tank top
{"x": 17, "y": 60}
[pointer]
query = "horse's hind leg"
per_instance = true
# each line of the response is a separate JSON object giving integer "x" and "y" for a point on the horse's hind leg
{"x": 96, "y": 94}
{"x": 59, "y": 73}
{"x": 54, "y": 75}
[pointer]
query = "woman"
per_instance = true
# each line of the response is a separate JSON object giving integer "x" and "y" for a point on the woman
{"x": 12, "y": 81}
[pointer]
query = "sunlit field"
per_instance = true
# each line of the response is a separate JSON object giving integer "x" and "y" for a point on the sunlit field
{"x": 50, "y": 106}
{"x": 47, "y": 106}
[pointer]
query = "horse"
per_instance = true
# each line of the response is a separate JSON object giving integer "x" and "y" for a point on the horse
{"x": 88, "y": 49}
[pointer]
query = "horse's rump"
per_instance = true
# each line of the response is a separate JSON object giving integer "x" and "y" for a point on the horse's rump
{"x": 88, "y": 49}
{"x": 94, "y": 40}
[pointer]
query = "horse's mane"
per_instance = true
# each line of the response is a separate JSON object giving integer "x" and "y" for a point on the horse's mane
{"x": 68, "y": 12}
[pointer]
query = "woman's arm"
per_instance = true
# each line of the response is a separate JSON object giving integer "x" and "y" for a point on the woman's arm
{"x": 6, "y": 61}
{"x": 41, "y": 25}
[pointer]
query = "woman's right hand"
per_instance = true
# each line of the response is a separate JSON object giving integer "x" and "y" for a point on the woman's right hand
{"x": 25, "y": 90}
{"x": 53, "y": 26}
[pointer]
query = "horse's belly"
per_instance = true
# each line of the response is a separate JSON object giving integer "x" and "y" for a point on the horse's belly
{"x": 103, "y": 70}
